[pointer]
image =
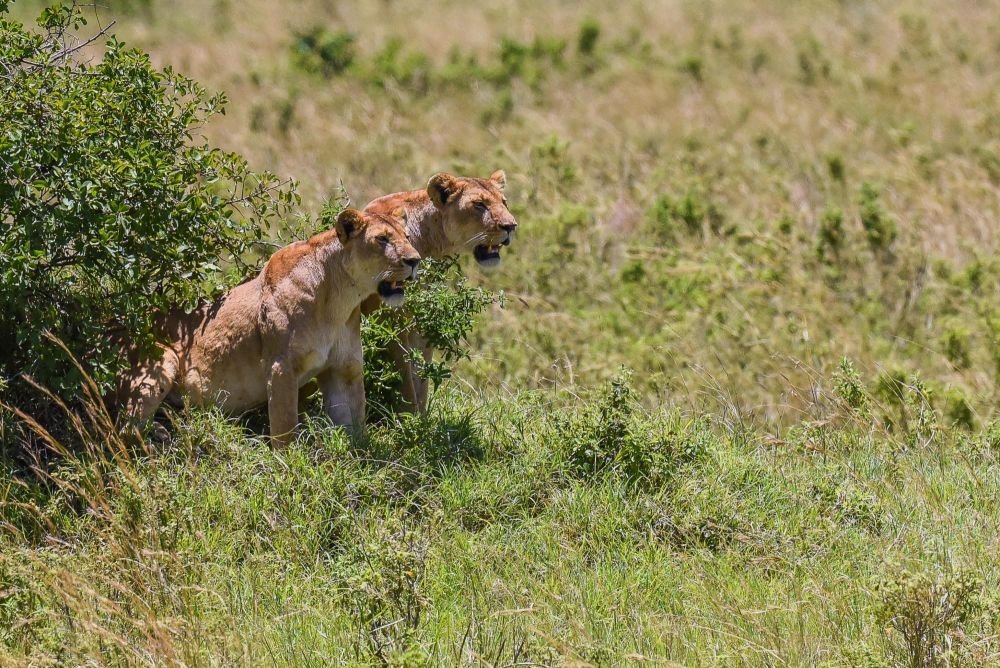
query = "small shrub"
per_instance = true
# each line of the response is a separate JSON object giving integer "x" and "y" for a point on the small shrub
{"x": 835, "y": 165}
{"x": 813, "y": 63}
{"x": 691, "y": 213}
{"x": 634, "y": 272}
{"x": 412, "y": 71}
{"x": 957, "y": 409}
{"x": 927, "y": 612}
{"x": 381, "y": 586}
{"x": 552, "y": 155}
{"x": 850, "y": 388}
{"x": 955, "y": 345}
{"x": 910, "y": 398}
{"x": 587, "y": 37}
{"x": 831, "y": 235}
{"x": 880, "y": 229}
{"x": 442, "y": 308}
{"x": 693, "y": 66}
{"x": 321, "y": 51}
{"x": 613, "y": 435}
{"x": 501, "y": 109}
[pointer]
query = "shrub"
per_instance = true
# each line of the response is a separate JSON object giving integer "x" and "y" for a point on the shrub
{"x": 880, "y": 229}
{"x": 831, "y": 235}
{"x": 694, "y": 66}
{"x": 692, "y": 211}
{"x": 955, "y": 344}
{"x": 443, "y": 308}
{"x": 383, "y": 573}
{"x": 412, "y": 71}
{"x": 957, "y": 409}
{"x": 320, "y": 51}
{"x": 927, "y": 611}
{"x": 835, "y": 165}
{"x": 586, "y": 41}
{"x": 613, "y": 435}
{"x": 850, "y": 388}
{"x": 112, "y": 207}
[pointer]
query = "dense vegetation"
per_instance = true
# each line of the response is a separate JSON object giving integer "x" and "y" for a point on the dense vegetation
{"x": 780, "y": 216}
{"x": 112, "y": 207}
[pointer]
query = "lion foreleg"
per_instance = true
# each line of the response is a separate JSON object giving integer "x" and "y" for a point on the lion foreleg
{"x": 282, "y": 403}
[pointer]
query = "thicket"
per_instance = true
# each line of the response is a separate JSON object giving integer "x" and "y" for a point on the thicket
{"x": 113, "y": 207}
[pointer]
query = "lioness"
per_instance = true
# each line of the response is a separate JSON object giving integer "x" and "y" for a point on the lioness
{"x": 296, "y": 320}
{"x": 452, "y": 214}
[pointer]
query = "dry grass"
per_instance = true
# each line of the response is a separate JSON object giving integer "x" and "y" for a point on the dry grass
{"x": 812, "y": 527}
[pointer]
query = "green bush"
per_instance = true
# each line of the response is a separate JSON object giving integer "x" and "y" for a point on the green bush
{"x": 320, "y": 51}
{"x": 443, "y": 308}
{"x": 613, "y": 435}
{"x": 586, "y": 41}
{"x": 112, "y": 207}
{"x": 831, "y": 235}
{"x": 928, "y": 611}
{"x": 692, "y": 211}
{"x": 880, "y": 229}
{"x": 391, "y": 64}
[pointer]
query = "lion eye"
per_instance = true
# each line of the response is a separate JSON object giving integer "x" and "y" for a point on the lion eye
{"x": 481, "y": 206}
{"x": 384, "y": 239}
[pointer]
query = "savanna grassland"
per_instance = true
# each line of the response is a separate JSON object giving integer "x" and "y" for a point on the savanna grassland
{"x": 737, "y": 407}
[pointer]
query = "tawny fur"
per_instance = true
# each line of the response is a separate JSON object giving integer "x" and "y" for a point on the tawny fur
{"x": 296, "y": 320}
{"x": 442, "y": 220}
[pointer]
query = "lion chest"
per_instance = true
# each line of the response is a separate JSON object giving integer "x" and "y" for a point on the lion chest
{"x": 322, "y": 348}
{"x": 311, "y": 363}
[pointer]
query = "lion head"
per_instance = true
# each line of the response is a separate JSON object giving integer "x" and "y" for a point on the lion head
{"x": 378, "y": 248}
{"x": 476, "y": 214}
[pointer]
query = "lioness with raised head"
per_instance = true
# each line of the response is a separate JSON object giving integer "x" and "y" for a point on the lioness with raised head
{"x": 296, "y": 320}
{"x": 451, "y": 215}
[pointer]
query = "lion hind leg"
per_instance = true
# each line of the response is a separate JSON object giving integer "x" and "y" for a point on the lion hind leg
{"x": 148, "y": 387}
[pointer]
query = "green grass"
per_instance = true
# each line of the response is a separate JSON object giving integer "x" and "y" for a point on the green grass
{"x": 727, "y": 198}
{"x": 474, "y": 536}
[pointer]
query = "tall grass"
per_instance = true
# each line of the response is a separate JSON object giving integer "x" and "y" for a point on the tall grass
{"x": 781, "y": 216}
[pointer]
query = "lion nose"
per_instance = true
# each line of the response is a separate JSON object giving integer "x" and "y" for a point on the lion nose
{"x": 412, "y": 262}
{"x": 508, "y": 227}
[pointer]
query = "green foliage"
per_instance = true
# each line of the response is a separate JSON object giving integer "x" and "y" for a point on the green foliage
{"x": 442, "y": 307}
{"x": 957, "y": 410}
{"x": 391, "y": 65}
{"x": 955, "y": 345}
{"x": 587, "y": 37}
{"x": 694, "y": 66}
{"x": 324, "y": 52}
{"x": 831, "y": 235}
{"x": 113, "y": 207}
{"x": 850, "y": 388}
{"x": 928, "y": 611}
{"x": 613, "y": 436}
{"x": 835, "y": 165}
{"x": 909, "y": 398}
{"x": 880, "y": 229}
{"x": 814, "y": 65}
{"x": 688, "y": 214}
{"x": 381, "y": 589}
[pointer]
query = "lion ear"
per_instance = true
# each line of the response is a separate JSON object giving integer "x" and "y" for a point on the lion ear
{"x": 499, "y": 177}
{"x": 350, "y": 222}
{"x": 441, "y": 188}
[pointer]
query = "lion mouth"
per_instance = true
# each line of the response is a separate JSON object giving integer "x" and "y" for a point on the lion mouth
{"x": 487, "y": 255}
{"x": 392, "y": 291}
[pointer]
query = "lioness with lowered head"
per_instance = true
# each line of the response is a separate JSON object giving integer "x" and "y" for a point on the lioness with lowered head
{"x": 296, "y": 320}
{"x": 451, "y": 215}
